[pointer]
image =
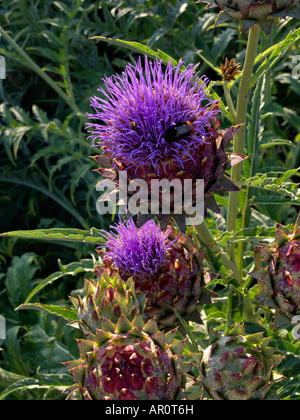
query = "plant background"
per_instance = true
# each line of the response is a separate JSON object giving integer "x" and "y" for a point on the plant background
{"x": 46, "y": 173}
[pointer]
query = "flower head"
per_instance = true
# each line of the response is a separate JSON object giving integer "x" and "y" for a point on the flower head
{"x": 128, "y": 361}
{"x": 157, "y": 124}
{"x": 168, "y": 276}
{"x": 251, "y": 12}
{"x": 135, "y": 251}
{"x": 280, "y": 279}
{"x": 138, "y": 109}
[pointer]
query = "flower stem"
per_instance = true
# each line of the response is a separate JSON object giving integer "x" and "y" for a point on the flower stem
{"x": 229, "y": 101}
{"x": 207, "y": 237}
{"x": 241, "y": 117}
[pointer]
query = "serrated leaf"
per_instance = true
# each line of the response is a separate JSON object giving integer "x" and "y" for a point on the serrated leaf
{"x": 210, "y": 64}
{"x": 58, "y": 234}
{"x": 277, "y": 142}
{"x": 188, "y": 331}
{"x": 27, "y": 385}
{"x": 139, "y": 48}
{"x": 69, "y": 269}
{"x": 277, "y": 53}
{"x": 68, "y": 314}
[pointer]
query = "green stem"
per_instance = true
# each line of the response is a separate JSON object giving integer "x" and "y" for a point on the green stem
{"x": 241, "y": 117}
{"x": 207, "y": 237}
{"x": 229, "y": 101}
{"x": 40, "y": 72}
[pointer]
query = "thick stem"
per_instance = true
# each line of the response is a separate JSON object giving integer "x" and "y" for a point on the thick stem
{"x": 241, "y": 117}
{"x": 207, "y": 237}
{"x": 229, "y": 101}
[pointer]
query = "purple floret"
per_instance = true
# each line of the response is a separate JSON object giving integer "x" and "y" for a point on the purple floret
{"x": 136, "y": 251}
{"x": 136, "y": 109}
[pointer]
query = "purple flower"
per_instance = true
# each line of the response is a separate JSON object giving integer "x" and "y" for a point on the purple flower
{"x": 138, "y": 109}
{"x": 136, "y": 251}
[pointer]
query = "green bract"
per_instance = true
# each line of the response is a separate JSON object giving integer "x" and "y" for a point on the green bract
{"x": 128, "y": 361}
{"x": 107, "y": 298}
{"x": 251, "y": 12}
{"x": 238, "y": 367}
{"x": 280, "y": 280}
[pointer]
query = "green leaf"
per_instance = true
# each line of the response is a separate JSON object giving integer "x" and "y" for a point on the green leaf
{"x": 59, "y": 234}
{"x": 254, "y": 139}
{"x": 288, "y": 174}
{"x": 139, "y": 48}
{"x": 256, "y": 127}
{"x": 19, "y": 277}
{"x": 270, "y": 56}
{"x": 276, "y": 54}
{"x": 8, "y": 378}
{"x": 277, "y": 142}
{"x": 22, "y": 385}
{"x": 71, "y": 269}
{"x": 28, "y": 384}
{"x": 189, "y": 332}
{"x": 68, "y": 314}
{"x": 210, "y": 64}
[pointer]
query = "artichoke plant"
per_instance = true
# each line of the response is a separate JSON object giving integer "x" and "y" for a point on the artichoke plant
{"x": 128, "y": 361}
{"x": 250, "y": 12}
{"x": 280, "y": 280}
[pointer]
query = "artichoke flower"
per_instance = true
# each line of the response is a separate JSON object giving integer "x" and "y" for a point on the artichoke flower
{"x": 237, "y": 366}
{"x": 107, "y": 298}
{"x": 250, "y": 12}
{"x": 165, "y": 273}
{"x": 159, "y": 124}
{"x": 280, "y": 280}
{"x": 128, "y": 361}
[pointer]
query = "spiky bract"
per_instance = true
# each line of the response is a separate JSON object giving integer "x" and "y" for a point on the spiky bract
{"x": 280, "y": 280}
{"x": 128, "y": 361}
{"x": 238, "y": 367}
{"x": 107, "y": 298}
{"x": 169, "y": 276}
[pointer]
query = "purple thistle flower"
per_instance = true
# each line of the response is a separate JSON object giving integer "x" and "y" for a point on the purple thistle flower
{"x": 138, "y": 107}
{"x": 170, "y": 278}
{"x": 135, "y": 251}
